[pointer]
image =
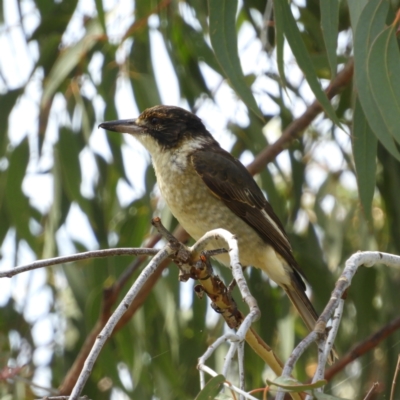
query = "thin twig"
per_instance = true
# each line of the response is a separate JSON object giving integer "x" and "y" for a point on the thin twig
{"x": 115, "y": 317}
{"x": 371, "y": 391}
{"x": 64, "y": 398}
{"x": 110, "y": 297}
{"x": 363, "y": 347}
{"x": 395, "y": 378}
{"x": 163, "y": 231}
{"x": 76, "y": 257}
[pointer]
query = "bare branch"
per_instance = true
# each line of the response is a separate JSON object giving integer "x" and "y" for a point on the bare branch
{"x": 224, "y": 304}
{"x": 77, "y": 257}
{"x": 395, "y": 379}
{"x": 363, "y": 347}
{"x": 368, "y": 259}
{"x": 110, "y": 296}
{"x": 64, "y": 398}
{"x": 237, "y": 268}
{"x": 370, "y": 394}
{"x": 164, "y": 232}
{"x": 112, "y": 322}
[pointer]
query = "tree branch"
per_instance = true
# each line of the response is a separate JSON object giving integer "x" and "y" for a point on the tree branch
{"x": 112, "y": 321}
{"x": 367, "y": 259}
{"x": 110, "y": 296}
{"x": 76, "y": 257}
{"x": 363, "y": 347}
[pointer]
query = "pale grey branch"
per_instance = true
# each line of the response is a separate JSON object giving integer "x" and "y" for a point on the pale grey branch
{"x": 335, "y": 304}
{"x": 77, "y": 257}
{"x": 115, "y": 317}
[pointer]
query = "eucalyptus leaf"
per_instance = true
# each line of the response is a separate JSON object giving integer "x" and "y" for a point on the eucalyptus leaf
{"x": 371, "y": 23}
{"x": 224, "y": 42}
{"x": 383, "y": 66}
{"x": 292, "y": 385}
{"x": 329, "y": 25}
{"x": 364, "y": 150}
{"x": 212, "y": 388}
{"x": 293, "y": 36}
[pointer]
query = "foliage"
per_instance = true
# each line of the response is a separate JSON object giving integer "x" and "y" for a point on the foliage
{"x": 67, "y": 187}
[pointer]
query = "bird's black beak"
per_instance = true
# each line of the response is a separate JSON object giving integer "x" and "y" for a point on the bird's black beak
{"x": 122, "y": 125}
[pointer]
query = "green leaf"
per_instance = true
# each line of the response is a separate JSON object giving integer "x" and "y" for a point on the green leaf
{"x": 384, "y": 77}
{"x": 355, "y": 9}
{"x": 17, "y": 203}
{"x": 224, "y": 42}
{"x": 212, "y": 388}
{"x": 54, "y": 18}
{"x": 1, "y": 11}
{"x": 280, "y": 41}
{"x": 69, "y": 59}
{"x": 5, "y": 223}
{"x": 329, "y": 25}
{"x": 57, "y": 213}
{"x": 364, "y": 151}
{"x": 115, "y": 143}
{"x": 371, "y": 24}
{"x": 100, "y": 13}
{"x": 293, "y": 385}
{"x": 299, "y": 49}
{"x": 7, "y": 102}
{"x": 144, "y": 84}
{"x": 200, "y": 48}
{"x": 68, "y": 151}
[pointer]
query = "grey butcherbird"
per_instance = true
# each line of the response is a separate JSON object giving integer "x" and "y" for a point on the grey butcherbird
{"x": 207, "y": 188}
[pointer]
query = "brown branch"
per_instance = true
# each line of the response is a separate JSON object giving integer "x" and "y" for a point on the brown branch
{"x": 296, "y": 128}
{"x": 363, "y": 347}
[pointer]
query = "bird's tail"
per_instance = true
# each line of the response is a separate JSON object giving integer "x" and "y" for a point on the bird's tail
{"x": 306, "y": 310}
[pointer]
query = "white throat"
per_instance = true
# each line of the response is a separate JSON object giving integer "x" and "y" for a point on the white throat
{"x": 172, "y": 159}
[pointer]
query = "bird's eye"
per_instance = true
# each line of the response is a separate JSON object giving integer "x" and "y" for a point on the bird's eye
{"x": 154, "y": 121}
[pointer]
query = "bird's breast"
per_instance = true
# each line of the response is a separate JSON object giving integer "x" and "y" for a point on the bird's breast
{"x": 188, "y": 198}
{"x": 198, "y": 210}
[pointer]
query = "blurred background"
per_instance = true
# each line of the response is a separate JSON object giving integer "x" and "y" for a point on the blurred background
{"x": 65, "y": 186}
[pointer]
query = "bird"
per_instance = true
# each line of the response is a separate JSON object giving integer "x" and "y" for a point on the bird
{"x": 206, "y": 188}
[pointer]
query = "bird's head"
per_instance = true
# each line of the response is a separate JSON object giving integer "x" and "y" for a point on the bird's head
{"x": 162, "y": 128}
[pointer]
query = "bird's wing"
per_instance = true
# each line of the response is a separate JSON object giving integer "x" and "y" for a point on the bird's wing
{"x": 230, "y": 181}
